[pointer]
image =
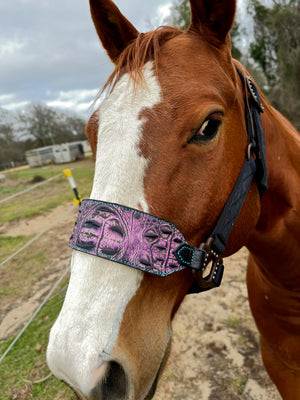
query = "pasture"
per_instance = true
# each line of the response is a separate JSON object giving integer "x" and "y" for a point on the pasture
{"x": 215, "y": 343}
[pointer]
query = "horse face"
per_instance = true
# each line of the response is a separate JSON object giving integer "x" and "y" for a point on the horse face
{"x": 166, "y": 146}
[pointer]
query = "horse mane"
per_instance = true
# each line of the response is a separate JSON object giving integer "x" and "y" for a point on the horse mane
{"x": 144, "y": 48}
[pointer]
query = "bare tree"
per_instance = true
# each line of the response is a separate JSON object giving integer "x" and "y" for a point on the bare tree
{"x": 48, "y": 126}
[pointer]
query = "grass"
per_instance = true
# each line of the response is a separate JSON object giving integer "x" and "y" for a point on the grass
{"x": 9, "y": 245}
{"x": 28, "y": 173}
{"x": 19, "y": 275}
{"x": 232, "y": 322}
{"x": 240, "y": 383}
{"x": 48, "y": 196}
{"x": 25, "y": 364}
{"x": 20, "y": 180}
{"x": 12, "y": 273}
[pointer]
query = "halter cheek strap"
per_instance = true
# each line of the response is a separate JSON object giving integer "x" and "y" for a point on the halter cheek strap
{"x": 153, "y": 245}
{"x": 255, "y": 166}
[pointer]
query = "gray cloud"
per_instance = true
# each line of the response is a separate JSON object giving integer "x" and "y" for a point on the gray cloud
{"x": 49, "y": 50}
{"x": 50, "y": 46}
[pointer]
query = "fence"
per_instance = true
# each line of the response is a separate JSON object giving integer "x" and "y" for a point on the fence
{"x": 24, "y": 247}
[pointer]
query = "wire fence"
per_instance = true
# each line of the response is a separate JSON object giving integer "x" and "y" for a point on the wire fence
{"x": 37, "y": 236}
{"x": 34, "y": 314}
{"x": 30, "y": 188}
{"x": 30, "y": 242}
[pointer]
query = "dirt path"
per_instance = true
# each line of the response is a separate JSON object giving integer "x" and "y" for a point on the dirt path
{"x": 215, "y": 353}
{"x": 32, "y": 226}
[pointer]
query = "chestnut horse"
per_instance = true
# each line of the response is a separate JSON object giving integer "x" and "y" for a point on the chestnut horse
{"x": 170, "y": 140}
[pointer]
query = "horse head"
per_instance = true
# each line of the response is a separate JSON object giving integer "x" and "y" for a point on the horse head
{"x": 169, "y": 139}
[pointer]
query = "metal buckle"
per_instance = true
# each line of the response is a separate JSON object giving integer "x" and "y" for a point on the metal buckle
{"x": 254, "y": 93}
{"x": 214, "y": 277}
{"x": 250, "y": 150}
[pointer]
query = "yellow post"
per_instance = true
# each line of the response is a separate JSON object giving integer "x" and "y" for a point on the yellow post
{"x": 68, "y": 174}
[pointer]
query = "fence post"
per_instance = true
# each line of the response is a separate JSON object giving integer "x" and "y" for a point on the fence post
{"x": 68, "y": 174}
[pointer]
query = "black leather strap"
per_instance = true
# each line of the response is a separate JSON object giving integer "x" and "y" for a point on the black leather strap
{"x": 233, "y": 206}
{"x": 255, "y": 132}
{"x": 255, "y": 166}
{"x": 252, "y": 168}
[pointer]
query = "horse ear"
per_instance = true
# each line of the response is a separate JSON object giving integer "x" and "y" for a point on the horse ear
{"x": 113, "y": 29}
{"x": 213, "y": 18}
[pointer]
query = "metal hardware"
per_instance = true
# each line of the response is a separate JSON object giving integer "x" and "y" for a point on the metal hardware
{"x": 214, "y": 277}
{"x": 254, "y": 93}
{"x": 249, "y": 150}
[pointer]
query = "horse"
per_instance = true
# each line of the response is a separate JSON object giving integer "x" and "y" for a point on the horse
{"x": 170, "y": 140}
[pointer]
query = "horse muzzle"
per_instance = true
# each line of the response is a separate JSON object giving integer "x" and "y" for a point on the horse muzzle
{"x": 115, "y": 385}
{"x": 112, "y": 385}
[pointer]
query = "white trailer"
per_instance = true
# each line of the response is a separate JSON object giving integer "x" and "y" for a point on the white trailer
{"x": 40, "y": 156}
{"x": 68, "y": 152}
{"x": 56, "y": 154}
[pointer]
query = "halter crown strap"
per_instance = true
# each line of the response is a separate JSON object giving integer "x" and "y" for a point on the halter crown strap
{"x": 255, "y": 132}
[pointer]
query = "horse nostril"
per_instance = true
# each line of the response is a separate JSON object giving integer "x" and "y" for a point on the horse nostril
{"x": 113, "y": 386}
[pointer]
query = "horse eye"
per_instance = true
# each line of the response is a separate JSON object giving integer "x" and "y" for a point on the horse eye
{"x": 207, "y": 131}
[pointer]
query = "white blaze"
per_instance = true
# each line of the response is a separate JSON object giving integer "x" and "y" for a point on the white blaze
{"x": 99, "y": 290}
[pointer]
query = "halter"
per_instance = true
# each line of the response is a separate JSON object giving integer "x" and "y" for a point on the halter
{"x": 143, "y": 241}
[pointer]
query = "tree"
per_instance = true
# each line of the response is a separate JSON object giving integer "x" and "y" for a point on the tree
{"x": 181, "y": 14}
{"x": 37, "y": 126}
{"x": 276, "y": 49}
{"x": 48, "y": 126}
{"x": 10, "y": 149}
{"x": 181, "y": 17}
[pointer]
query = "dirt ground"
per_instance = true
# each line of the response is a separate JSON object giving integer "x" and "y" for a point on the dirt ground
{"x": 215, "y": 352}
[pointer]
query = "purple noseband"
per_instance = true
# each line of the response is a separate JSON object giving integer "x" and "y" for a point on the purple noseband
{"x": 143, "y": 241}
{"x": 127, "y": 236}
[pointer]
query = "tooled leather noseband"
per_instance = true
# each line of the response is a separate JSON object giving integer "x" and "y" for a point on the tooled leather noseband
{"x": 156, "y": 246}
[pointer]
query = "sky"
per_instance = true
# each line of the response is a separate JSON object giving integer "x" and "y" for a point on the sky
{"x": 50, "y": 52}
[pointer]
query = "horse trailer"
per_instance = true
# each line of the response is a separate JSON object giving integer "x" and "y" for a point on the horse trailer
{"x": 56, "y": 154}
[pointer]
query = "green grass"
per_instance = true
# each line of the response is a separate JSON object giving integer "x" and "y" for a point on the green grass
{"x": 232, "y": 322}
{"x": 20, "y": 180}
{"x": 25, "y": 364}
{"x": 12, "y": 273}
{"x": 10, "y": 244}
{"x": 46, "y": 172}
{"x": 6, "y": 191}
{"x": 241, "y": 382}
{"x": 19, "y": 275}
{"x": 48, "y": 196}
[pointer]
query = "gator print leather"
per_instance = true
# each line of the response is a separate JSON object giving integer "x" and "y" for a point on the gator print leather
{"x": 127, "y": 236}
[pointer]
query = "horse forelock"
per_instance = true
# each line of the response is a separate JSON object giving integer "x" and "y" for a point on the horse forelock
{"x": 144, "y": 48}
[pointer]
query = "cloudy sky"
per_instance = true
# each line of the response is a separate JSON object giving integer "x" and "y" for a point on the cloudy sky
{"x": 49, "y": 51}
